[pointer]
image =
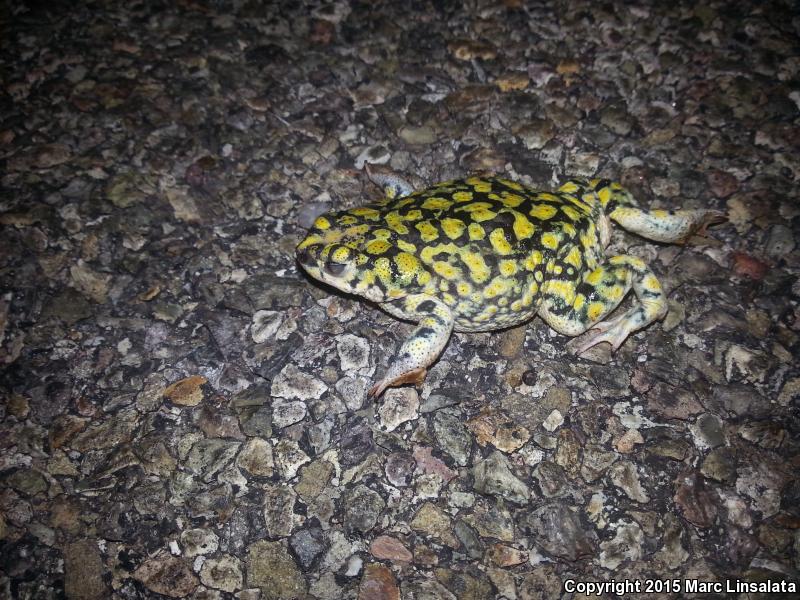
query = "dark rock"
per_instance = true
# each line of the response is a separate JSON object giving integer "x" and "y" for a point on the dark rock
{"x": 307, "y": 545}
{"x": 361, "y": 507}
{"x": 558, "y": 531}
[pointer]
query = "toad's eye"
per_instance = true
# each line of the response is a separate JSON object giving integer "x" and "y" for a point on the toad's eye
{"x": 334, "y": 268}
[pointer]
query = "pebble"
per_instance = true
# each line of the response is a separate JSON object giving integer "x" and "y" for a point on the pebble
{"x": 558, "y": 531}
{"x": 279, "y": 503}
{"x": 222, "y": 573}
{"x": 271, "y": 568}
{"x": 362, "y": 508}
{"x": 255, "y": 457}
{"x": 308, "y": 545}
{"x": 399, "y": 406}
{"x": 431, "y": 521}
{"x": 378, "y": 583}
{"x": 293, "y": 384}
{"x": 385, "y": 547}
{"x": 493, "y": 476}
{"x": 167, "y": 575}
{"x": 625, "y": 476}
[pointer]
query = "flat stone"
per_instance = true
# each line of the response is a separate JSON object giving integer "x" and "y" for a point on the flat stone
{"x": 215, "y": 422}
{"x": 558, "y": 531}
{"x": 293, "y": 384}
{"x": 399, "y": 406}
{"x": 707, "y": 431}
{"x": 625, "y": 476}
{"x": 255, "y": 457}
{"x": 90, "y": 283}
{"x": 429, "y": 464}
{"x": 568, "y": 452}
{"x": 362, "y": 507}
{"x": 308, "y": 545}
{"x": 627, "y": 544}
{"x": 385, "y": 547}
{"x": 314, "y": 478}
{"x": 378, "y": 583}
{"x": 271, "y": 568}
{"x": 672, "y": 554}
{"x": 432, "y": 521}
{"x": 493, "y": 476}
{"x": 472, "y": 585}
{"x": 199, "y": 541}
{"x": 209, "y": 457}
{"x": 506, "y": 556}
{"x": 265, "y": 324}
{"x": 168, "y": 575}
{"x": 279, "y": 503}
{"x": 762, "y": 484}
{"x": 765, "y": 434}
{"x": 222, "y": 573}
{"x": 399, "y": 468}
{"x": 628, "y": 441}
{"x": 287, "y": 412}
{"x": 289, "y": 458}
{"x": 27, "y": 481}
{"x": 110, "y": 433}
{"x": 695, "y": 500}
{"x": 490, "y": 427}
{"x": 186, "y": 392}
{"x": 452, "y": 436}
{"x": 469, "y": 538}
{"x": 421, "y": 136}
{"x": 353, "y": 352}
{"x": 553, "y": 421}
{"x": 492, "y": 521}
{"x": 596, "y": 462}
{"x": 551, "y": 478}
{"x": 83, "y": 572}
{"x": 672, "y": 402}
{"x": 719, "y": 465}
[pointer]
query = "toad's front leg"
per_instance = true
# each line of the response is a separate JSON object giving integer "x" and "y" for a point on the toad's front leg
{"x": 418, "y": 352}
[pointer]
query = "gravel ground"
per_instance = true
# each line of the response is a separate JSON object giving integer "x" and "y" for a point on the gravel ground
{"x": 184, "y": 412}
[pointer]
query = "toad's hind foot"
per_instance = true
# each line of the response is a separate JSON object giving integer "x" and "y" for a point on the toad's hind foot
{"x": 676, "y": 226}
{"x": 614, "y": 331}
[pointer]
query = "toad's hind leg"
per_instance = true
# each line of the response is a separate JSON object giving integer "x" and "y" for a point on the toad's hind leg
{"x": 674, "y": 226}
{"x": 427, "y": 341}
{"x": 600, "y": 292}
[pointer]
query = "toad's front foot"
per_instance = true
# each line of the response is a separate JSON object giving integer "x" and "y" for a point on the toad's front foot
{"x": 417, "y": 376}
{"x": 420, "y": 350}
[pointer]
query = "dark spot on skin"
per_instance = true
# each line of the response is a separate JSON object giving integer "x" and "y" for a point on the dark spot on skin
{"x": 603, "y": 183}
{"x": 425, "y": 332}
{"x": 426, "y": 306}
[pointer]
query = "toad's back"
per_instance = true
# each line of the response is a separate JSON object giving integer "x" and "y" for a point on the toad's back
{"x": 489, "y": 244}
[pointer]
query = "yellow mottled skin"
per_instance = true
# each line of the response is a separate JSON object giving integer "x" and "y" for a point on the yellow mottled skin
{"x": 480, "y": 254}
